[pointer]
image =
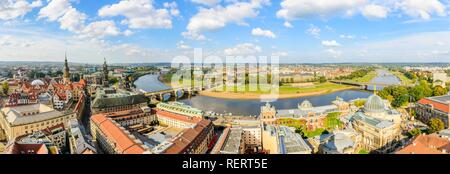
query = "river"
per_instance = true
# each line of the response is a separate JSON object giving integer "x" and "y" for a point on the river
{"x": 384, "y": 77}
{"x": 246, "y": 107}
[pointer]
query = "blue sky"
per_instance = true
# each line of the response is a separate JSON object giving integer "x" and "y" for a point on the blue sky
{"x": 299, "y": 31}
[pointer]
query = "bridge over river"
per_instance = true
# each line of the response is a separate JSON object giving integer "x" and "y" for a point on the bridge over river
{"x": 367, "y": 85}
{"x": 178, "y": 92}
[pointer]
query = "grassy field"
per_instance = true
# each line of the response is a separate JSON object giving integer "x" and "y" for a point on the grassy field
{"x": 333, "y": 122}
{"x": 405, "y": 80}
{"x": 362, "y": 151}
{"x": 285, "y": 89}
{"x": 366, "y": 78}
{"x": 311, "y": 134}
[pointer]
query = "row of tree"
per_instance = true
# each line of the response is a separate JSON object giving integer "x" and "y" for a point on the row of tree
{"x": 401, "y": 96}
{"x": 357, "y": 74}
{"x": 435, "y": 125}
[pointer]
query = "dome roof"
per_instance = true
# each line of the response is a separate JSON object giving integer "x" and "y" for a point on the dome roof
{"x": 305, "y": 105}
{"x": 37, "y": 83}
{"x": 374, "y": 104}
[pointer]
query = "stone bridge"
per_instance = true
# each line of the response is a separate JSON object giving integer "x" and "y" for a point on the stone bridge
{"x": 177, "y": 93}
{"x": 365, "y": 85}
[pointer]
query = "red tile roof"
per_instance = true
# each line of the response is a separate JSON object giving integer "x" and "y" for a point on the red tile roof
{"x": 29, "y": 149}
{"x": 178, "y": 117}
{"x": 124, "y": 143}
{"x": 437, "y": 105}
{"x": 188, "y": 137}
{"x": 427, "y": 144}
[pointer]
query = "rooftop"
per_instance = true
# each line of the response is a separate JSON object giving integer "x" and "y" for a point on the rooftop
{"x": 443, "y": 99}
{"x": 178, "y": 117}
{"x": 81, "y": 144}
{"x": 291, "y": 142}
{"x": 372, "y": 121}
{"x": 232, "y": 142}
{"x": 298, "y": 113}
{"x": 187, "y": 137}
{"x": 125, "y": 143}
{"x": 180, "y": 108}
{"x": 112, "y": 98}
{"x": 26, "y": 114}
{"x": 427, "y": 144}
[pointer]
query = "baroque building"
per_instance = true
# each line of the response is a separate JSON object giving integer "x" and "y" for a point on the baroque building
{"x": 378, "y": 125}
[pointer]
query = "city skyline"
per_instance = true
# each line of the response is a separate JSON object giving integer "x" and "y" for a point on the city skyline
{"x": 147, "y": 31}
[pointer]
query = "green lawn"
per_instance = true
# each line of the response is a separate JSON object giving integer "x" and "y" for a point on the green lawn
{"x": 311, "y": 134}
{"x": 405, "y": 80}
{"x": 366, "y": 78}
{"x": 286, "y": 88}
{"x": 333, "y": 121}
{"x": 363, "y": 151}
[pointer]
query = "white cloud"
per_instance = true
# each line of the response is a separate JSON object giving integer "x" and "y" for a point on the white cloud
{"x": 422, "y": 8}
{"x": 313, "y": 31}
{"x": 288, "y": 25}
{"x": 330, "y": 43}
{"x": 173, "y": 6}
{"x": 100, "y": 29}
{"x": 440, "y": 43}
{"x": 296, "y": 9}
{"x": 280, "y": 54}
{"x": 140, "y": 14}
{"x": 193, "y": 35}
{"x": 207, "y": 2}
{"x": 373, "y": 11}
{"x": 182, "y": 45}
{"x": 243, "y": 49}
{"x": 343, "y": 36}
{"x": 12, "y": 9}
{"x": 47, "y": 47}
{"x": 8, "y": 41}
{"x": 264, "y": 33}
{"x": 72, "y": 20}
{"x": 209, "y": 19}
{"x": 54, "y": 9}
{"x": 334, "y": 53}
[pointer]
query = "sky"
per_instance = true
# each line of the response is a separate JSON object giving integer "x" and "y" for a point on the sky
{"x": 298, "y": 31}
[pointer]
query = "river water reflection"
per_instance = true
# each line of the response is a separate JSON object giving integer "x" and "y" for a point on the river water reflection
{"x": 384, "y": 77}
{"x": 246, "y": 107}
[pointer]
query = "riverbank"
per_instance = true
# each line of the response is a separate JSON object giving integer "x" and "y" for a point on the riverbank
{"x": 404, "y": 80}
{"x": 253, "y": 96}
{"x": 285, "y": 92}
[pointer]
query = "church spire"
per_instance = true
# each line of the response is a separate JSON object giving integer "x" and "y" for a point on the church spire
{"x": 105, "y": 74}
{"x": 66, "y": 74}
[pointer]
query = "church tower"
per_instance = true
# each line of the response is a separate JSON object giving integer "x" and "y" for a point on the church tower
{"x": 105, "y": 74}
{"x": 66, "y": 74}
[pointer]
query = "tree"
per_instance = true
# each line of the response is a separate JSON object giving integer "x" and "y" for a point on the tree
{"x": 113, "y": 80}
{"x": 359, "y": 103}
{"x": 417, "y": 92}
{"x": 428, "y": 92}
{"x": 436, "y": 125}
{"x": 322, "y": 79}
{"x": 414, "y": 132}
{"x": 400, "y": 101}
{"x": 5, "y": 87}
{"x": 439, "y": 90}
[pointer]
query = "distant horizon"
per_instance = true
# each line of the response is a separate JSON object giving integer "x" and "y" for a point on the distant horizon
{"x": 308, "y": 31}
{"x": 59, "y": 62}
